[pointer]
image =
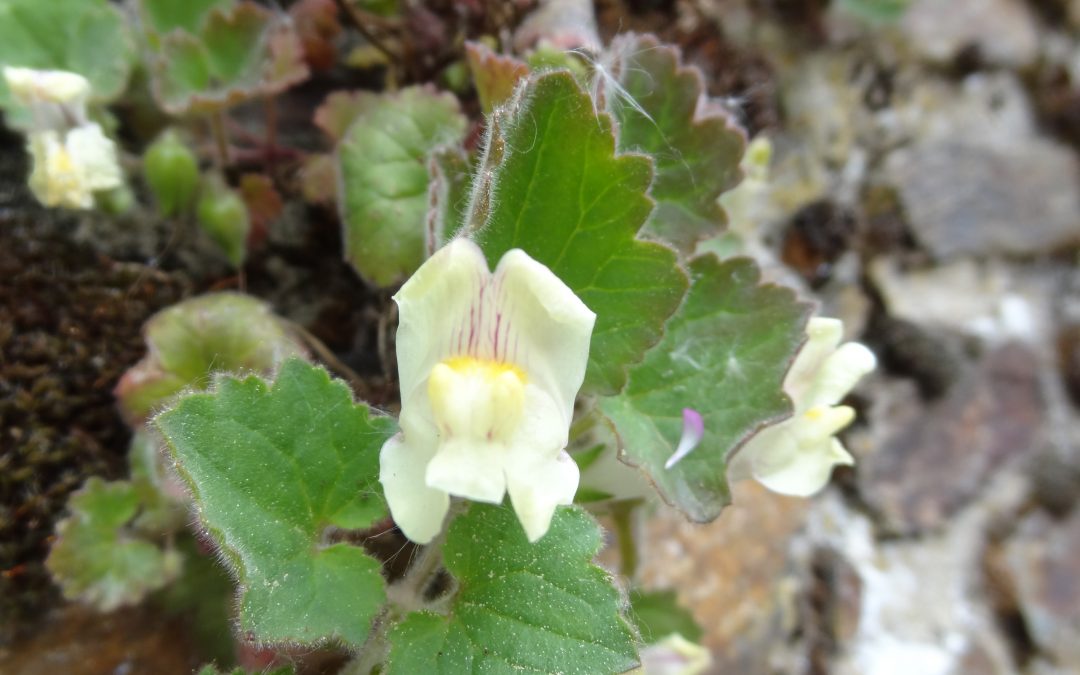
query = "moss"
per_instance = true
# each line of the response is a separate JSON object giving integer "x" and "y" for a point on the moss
{"x": 69, "y": 327}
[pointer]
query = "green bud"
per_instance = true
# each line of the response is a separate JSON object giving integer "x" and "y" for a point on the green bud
{"x": 223, "y": 215}
{"x": 172, "y": 172}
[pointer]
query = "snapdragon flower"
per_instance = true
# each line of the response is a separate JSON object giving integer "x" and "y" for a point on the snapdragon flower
{"x": 72, "y": 156}
{"x": 489, "y": 366}
{"x": 796, "y": 456}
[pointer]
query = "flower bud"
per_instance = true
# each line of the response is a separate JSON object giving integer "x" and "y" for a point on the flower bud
{"x": 223, "y": 215}
{"x": 172, "y": 172}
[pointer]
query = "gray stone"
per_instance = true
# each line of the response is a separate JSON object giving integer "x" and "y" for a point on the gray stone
{"x": 1004, "y": 31}
{"x": 1044, "y": 558}
{"x": 962, "y": 197}
{"x": 927, "y": 470}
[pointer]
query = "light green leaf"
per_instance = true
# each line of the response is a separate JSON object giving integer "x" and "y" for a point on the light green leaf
{"x": 98, "y": 558}
{"x": 164, "y": 16}
{"x": 89, "y": 37}
{"x": 384, "y": 175}
{"x": 550, "y": 183}
{"x": 271, "y": 470}
{"x": 236, "y": 53}
{"x": 519, "y": 607}
{"x": 662, "y": 110}
{"x": 658, "y": 615}
{"x": 192, "y": 340}
{"x": 725, "y": 354}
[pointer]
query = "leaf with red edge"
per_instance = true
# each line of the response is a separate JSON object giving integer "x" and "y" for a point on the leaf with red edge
{"x": 340, "y": 109}
{"x": 318, "y": 27}
{"x": 236, "y": 54}
{"x": 495, "y": 75}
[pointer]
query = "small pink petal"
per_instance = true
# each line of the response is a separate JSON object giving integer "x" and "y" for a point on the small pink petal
{"x": 692, "y": 431}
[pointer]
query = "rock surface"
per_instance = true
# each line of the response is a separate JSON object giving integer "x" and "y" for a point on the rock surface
{"x": 927, "y": 470}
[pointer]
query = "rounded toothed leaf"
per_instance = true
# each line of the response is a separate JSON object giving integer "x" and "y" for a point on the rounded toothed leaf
{"x": 272, "y": 469}
{"x": 551, "y": 184}
{"x": 520, "y": 607}
{"x": 725, "y": 354}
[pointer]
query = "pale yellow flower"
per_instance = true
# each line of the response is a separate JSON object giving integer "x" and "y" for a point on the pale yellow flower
{"x": 796, "y": 456}
{"x": 72, "y": 156}
{"x": 489, "y": 365}
{"x": 68, "y": 169}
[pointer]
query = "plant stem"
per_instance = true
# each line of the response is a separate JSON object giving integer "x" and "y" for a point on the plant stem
{"x": 221, "y": 140}
{"x": 403, "y": 597}
{"x": 623, "y": 516}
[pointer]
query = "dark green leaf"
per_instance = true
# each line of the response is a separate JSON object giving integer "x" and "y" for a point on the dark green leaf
{"x": 520, "y": 607}
{"x": 551, "y": 184}
{"x": 662, "y": 110}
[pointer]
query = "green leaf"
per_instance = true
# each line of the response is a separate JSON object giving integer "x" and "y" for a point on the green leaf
{"x": 340, "y": 109}
{"x": 551, "y": 184}
{"x": 662, "y": 110}
{"x": 89, "y": 37}
{"x": 224, "y": 217}
{"x": 725, "y": 354}
{"x": 238, "y": 52}
{"x": 192, "y": 340}
{"x": 520, "y": 607}
{"x": 383, "y": 166}
{"x": 164, "y": 16}
{"x": 271, "y": 470}
{"x": 98, "y": 558}
{"x": 658, "y": 615}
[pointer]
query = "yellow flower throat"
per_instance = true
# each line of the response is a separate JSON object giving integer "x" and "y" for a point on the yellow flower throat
{"x": 477, "y": 399}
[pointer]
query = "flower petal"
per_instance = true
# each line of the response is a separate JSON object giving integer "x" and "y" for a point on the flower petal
{"x": 469, "y": 468}
{"x": 434, "y": 306}
{"x": 95, "y": 155}
{"x": 838, "y": 374}
{"x": 692, "y": 432}
{"x": 48, "y": 86}
{"x": 416, "y": 508}
{"x": 807, "y": 471}
{"x": 822, "y": 337}
{"x": 537, "y": 488}
{"x": 542, "y": 327}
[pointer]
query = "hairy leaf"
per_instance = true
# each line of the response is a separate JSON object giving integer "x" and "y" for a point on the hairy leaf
{"x": 520, "y": 607}
{"x": 725, "y": 354}
{"x": 98, "y": 558}
{"x": 383, "y": 178}
{"x": 662, "y": 110}
{"x": 550, "y": 183}
{"x": 271, "y": 470}
{"x": 190, "y": 341}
